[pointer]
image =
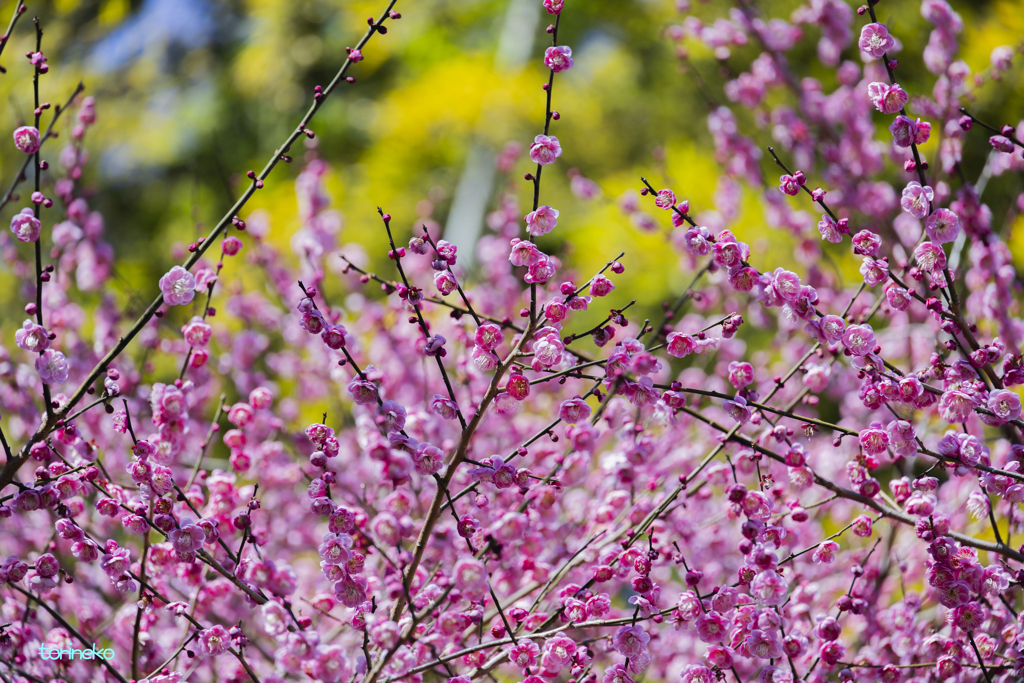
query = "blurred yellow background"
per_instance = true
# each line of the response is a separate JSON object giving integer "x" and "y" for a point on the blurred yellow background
{"x": 193, "y": 93}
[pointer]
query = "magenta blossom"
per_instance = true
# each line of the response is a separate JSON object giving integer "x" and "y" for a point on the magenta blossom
{"x": 930, "y": 257}
{"x": 829, "y": 229}
{"x": 665, "y": 199}
{"x": 545, "y": 149}
{"x": 942, "y": 226}
{"x": 916, "y": 199}
{"x": 1001, "y": 143}
{"x": 27, "y": 139}
{"x": 187, "y": 540}
{"x": 542, "y": 221}
{"x": 875, "y": 272}
{"x": 445, "y": 282}
{"x": 558, "y": 59}
{"x": 630, "y": 641}
{"x": 763, "y": 644}
{"x": 712, "y": 627}
{"x": 888, "y": 99}
{"x": 904, "y": 131}
{"x": 25, "y": 226}
{"x": 574, "y": 410}
{"x": 825, "y": 553}
{"x": 524, "y": 653}
{"x": 53, "y": 367}
{"x": 875, "y": 40}
{"x": 178, "y": 287}
{"x": 859, "y": 339}
{"x": 740, "y": 374}
{"x": 524, "y": 253}
{"x": 32, "y": 337}
{"x": 737, "y": 409}
{"x": 1005, "y": 405}
{"x": 214, "y": 640}
{"x": 697, "y": 673}
{"x": 601, "y": 286}
{"x": 789, "y": 185}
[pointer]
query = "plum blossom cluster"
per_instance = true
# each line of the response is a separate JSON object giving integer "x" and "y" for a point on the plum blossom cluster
{"x": 782, "y": 476}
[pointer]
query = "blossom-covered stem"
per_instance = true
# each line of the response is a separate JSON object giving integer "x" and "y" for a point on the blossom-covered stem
{"x": 37, "y": 210}
{"x": 977, "y": 653}
{"x": 19, "y": 9}
{"x": 954, "y": 298}
{"x": 603, "y": 404}
{"x": 419, "y": 316}
{"x": 497, "y": 605}
{"x": 20, "y": 176}
{"x": 12, "y": 465}
{"x": 578, "y": 335}
{"x": 682, "y": 214}
{"x": 503, "y": 322}
{"x": 206, "y": 310}
{"x": 843, "y": 430}
{"x": 348, "y": 356}
{"x": 536, "y": 177}
{"x": 570, "y": 371}
{"x": 579, "y": 290}
{"x": 128, "y": 422}
{"x": 214, "y": 427}
{"x": 687, "y": 294}
{"x": 965, "y": 329}
{"x": 995, "y": 130}
{"x": 201, "y": 554}
{"x": 191, "y": 619}
{"x": 903, "y": 110}
{"x": 558, "y": 575}
{"x": 789, "y": 658}
{"x": 762, "y": 406}
{"x": 919, "y": 665}
{"x": 938, "y": 392}
{"x": 554, "y": 423}
{"x": 70, "y": 629}
{"x": 247, "y": 534}
{"x": 457, "y": 459}
{"x": 837, "y": 534}
{"x": 220, "y": 541}
{"x": 458, "y": 285}
{"x": 547, "y": 430}
{"x": 451, "y": 656}
{"x": 895, "y": 278}
{"x": 889, "y": 512}
{"x": 820, "y": 202}
{"x": 547, "y": 117}
{"x": 849, "y": 592}
{"x": 142, "y": 597}
{"x": 209, "y": 559}
{"x": 184, "y": 643}
{"x": 71, "y": 418}
{"x": 355, "y": 366}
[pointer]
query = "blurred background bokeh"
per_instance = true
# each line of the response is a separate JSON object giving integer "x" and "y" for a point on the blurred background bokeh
{"x": 190, "y": 94}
